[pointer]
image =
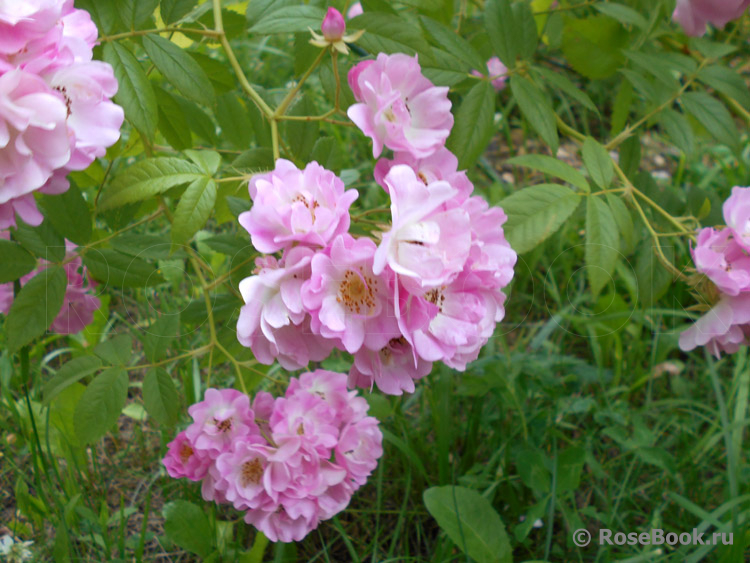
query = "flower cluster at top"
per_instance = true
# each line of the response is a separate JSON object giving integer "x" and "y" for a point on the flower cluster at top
{"x": 79, "y": 304}
{"x": 431, "y": 290}
{"x": 289, "y": 462}
{"x": 55, "y": 110}
{"x": 723, "y": 256}
{"x": 693, "y": 15}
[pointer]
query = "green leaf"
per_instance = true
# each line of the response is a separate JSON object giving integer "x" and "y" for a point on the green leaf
{"x": 198, "y": 120}
{"x": 234, "y": 121}
{"x": 326, "y": 152}
{"x": 147, "y": 247}
{"x": 160, "y": 397}
{"x": 218, "y": 73}
{"x": 593, "y": 45}
{"x": 172, "y": 121}
{"x": 553, "y": 167}
{"x": 563, "y": 83}
{"x": 624, "y": 223}
{"x": 42, "y": 241}
{"x": 71, "y": 372}
{"x": 388, "y": 33}
{"x": 501, "y": 28}
{"x": 135, "y": 93}
{"x": 726, "y": 81}
{"x": 678, "y": 128}
{"x": 187, "y": 526}
{"x": 713, "y": 115}
{"x": 653, "y": 279}
{"x": 159, "y": 336}
{"x": 535, "y": 213}
{"x": 193, "y": 210}
{"x": 134, "y": 12}
{"x": 602, "y": 243}
{"x": 69, "y": 214}
{"x": 536, "y": 108}
{"x": 598, "y": 162}
{"x": 100, "y": 405}
{"x": 209, "y": 161}
{"x": 148, "y": 178}
{"x": 532, "y": 469}
{"x": 447, "y": 39}
{"x": 623, "y": 14}
{"x": 254, "y": 160}
{"x": 179, "y": 69}
{"x": 35, "y": 307}
{"x": 289, "y": 19}
{"x": 302, "y": 134}
{"x": 569, "y": 466}
{"x": 259, "y": 9}
{"x": 470, "y": 521}
{"x": 113, "y": 268}
{"x": 103, "y": 13}
{"x": 474, "y": 124}
{"x": 16, "y": 261}
{"x": 174, "y": 10}
{"x": 117, "y": 351}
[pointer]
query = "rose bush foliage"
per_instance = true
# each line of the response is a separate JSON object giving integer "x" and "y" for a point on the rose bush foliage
{"x": 140, "y": 157}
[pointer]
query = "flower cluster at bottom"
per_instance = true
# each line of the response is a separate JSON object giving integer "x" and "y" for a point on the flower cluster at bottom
{"x": 290, "y": 462}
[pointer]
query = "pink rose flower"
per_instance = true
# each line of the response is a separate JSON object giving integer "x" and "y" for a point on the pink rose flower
{"x": 718, "y": 255}
{"x": 359, "y": 449}
{"x": 346, "y": 300}
{"x": 223, "y": 417}
{"x": 277, "y": 524}
{"x": 307, "y": 418}
{"x": 427, "y": 245}
{"x": 182, "y": 460}
{"x": 393, "y": 368}
{"x": 737, "y": 215}
{"x": 693, "y": 15}
{"x": 238, "y": 474}
{"x": 398, "y": 107}
{"x": 497, "y": 71}
{"x": 442, "y": 165}
{"x": 724, "y": 328}
{"x": 273, "y": 322}
{"x": 23, "y": 21}
{"x": 309, "y": 207}
{"x": 355, "y": 10}
{"x": 491, "y": 256}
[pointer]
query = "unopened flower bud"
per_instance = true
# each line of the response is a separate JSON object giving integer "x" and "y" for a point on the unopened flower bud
{"x": 333, "y": 26}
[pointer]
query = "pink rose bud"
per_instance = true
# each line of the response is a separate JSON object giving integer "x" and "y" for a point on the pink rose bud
{"x": 333, "y": 26}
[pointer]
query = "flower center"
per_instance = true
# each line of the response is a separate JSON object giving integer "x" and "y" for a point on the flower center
{"x": 389, "y": 115}
{"x": 436, "y": 297}
{"x": 185, "y": 452}
{"x": 310, "y": 206}
{"x": 252, "y": 472}
{"x": 64, "y": 92}
{"x": 357, "y": 292}
{"x": 223, "y": 425}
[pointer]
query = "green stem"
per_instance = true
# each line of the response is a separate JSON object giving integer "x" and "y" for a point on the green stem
{"x": 168, "y": 29}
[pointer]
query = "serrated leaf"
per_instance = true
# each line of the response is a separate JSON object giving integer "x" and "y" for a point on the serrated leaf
{"x": 172, "y": 121}
{"x": 563, "y": 83}
{"x": 592, "y": 45}
{"x": 198, "y": 120}
{"x": 116, "y": 351}
{"x": 326, "y": 152}
{"x": 209, "y": 161}
{"x": 134, "y": 12}
{"x": 69, "y": 214}
{"x": 259, "y": 9}
{"x": 726, "y": 81}
{"x": 159, "y": 336}
{"x": 100, "y": 405}
{"x": 602, "y": 243}
{"x": 624, "y": 223}
{"x": 71, "y": 372}
{"x": 148, "y": 178}
{"x": 679, "y": 130}
{"x": 474, "y": 124}
{"x": 179, "y": 69}
{"x": 193, "y": 209}
{"x": 135, "y": 93}
{"x": 553, "y": 167}
{"x": 42, "y": 241}
{"x": 622, "y": 13}
{"x": 234, "y": 121}
{"x": 174, "y": 10}
{"x": 500, "y": 25}
{"x": 35, "y": 307}
{"x": 289, "y": 19}
{"x": 254, "y": 160}
{"x": 447, "y": 39}
{"x": 598, "y": 162}
{"x": 713, "y": 115}
{"x": 536, "y": 108}
{"x": 302, "y": 134}
{"x": 16, "y": 261}
{"x": 187, "y": 526}
{"x": 102, "y": 12}
{"x": 470, "y": 521}
{"x": 112, "y": 268}
{"x": 569, "y": 466}
{"x": 160, "y": 397}
{"x": 388, "y": 33}
{"x": 536, "y": 212}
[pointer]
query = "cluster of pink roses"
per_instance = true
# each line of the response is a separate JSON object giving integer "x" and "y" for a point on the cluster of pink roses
{"x": 723, "y": 256}
{"x": 79, "y": 304}
{"x": 693, "y": 15}
{"x": 289, "y": 462}
{"x": 430, "y": 291}
{"x": 55, "y": 108}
